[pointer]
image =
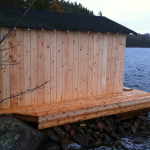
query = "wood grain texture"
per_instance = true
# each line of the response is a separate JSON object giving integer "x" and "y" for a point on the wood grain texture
{"x": 90, "y": 64}
{"x": 53, "y": 66}
{"x": 70, "y": 65}
{"x": 85, "y": 63}
{"x": 41, "y": 70}
{"x": 59, "y": 65}
{"x": 65, "y": 67}
{"x": 13, "y": 69}
{"x": 100, "y": 63}
{"x": 47, "y": 64}
{"x": 75, "y": 65}
{"x": 109, "y": 59}
{"x": 20, "y": 66}
{"x": 104, "y": 69}
{"x": 27, "y": 67}
{"x": 34, "y": 65}
{"x": 80, "y": 71}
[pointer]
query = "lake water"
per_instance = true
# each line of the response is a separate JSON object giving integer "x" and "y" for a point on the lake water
{"x": 137, "y": 68}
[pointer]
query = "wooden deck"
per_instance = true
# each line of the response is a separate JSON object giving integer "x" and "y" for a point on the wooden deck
{"x": 59, "y": 113}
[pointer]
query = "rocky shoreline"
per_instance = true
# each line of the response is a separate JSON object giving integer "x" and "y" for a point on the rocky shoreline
{"x": 97, "y": 132}
{"x": 89, "y": 134}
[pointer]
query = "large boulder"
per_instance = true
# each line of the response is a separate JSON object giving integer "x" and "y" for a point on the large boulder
{"x": 16, "y": 135}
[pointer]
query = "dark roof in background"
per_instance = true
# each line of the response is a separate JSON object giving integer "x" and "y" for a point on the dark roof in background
{"x": 61, "y": 21}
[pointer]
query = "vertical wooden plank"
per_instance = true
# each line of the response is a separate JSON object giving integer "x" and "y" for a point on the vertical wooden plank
{"x": 85, "y": 64}
{"x": 119, "y": 60}
{"x": 13, "y": 69}
{"x": 59, "y": 65}
{"x": 1, "y": 79}
{"x": 41, "y": 71}
{"x": 80, "y": 73}
{"x": 100, "y": 63}
{"x": 47, "y": 64}
{"x": 95, "y": 65}
{"x": 70, "y": 64}
{"x": 20, "y": 66}
{"x": 34, "y": 65}
{"x": 123, "y": 44}
{"x": 53, "y": 66}
{"x": 65, "y": 66}
{"x": 117, "y": 64}
{"x": 90, "y": 67}
{"x": 113, "y": 65}
{"x": 75, "y": 65}
{"x": 27, "y": 67}
{"x": 4, "y": 71}
{"x": 104, "y": 69}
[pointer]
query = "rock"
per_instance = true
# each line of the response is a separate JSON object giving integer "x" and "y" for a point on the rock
{"x": 16, "y": 135}
{"x": 126, "y": 125}
{"x": 114, "y": 127}
{"x": 115, "y": 135}
{"x": 121, "y": 129}
{"x": 107, "y": 121}
{"x": 117, "y": 122}
{"x": 138, "y": 140}
{"x": 72, "y": 132}
{"x": 97, "y": 143}
{"x": 97, "y": 120}
{"x": 83, "y": 125}
{"x": 59, "y": 132}
{"x": 84, "y": 129}
{"x": 107, "y": 139}
{"x": 81, "y": 139}
{"x": 117, "y": 143}
{"x": 136, "y": 125}
{"x": 67, "y": 127}
{"x": 71, "y": 145}
{"x": 89, "y": 131}
{"x": 100, "y": 126}
{"x": 91, "y": 138}
{"x": 52, "y": 146}
{"x": 133, "y": 129}
{"x": 108, "y": 129}
{"x": 54, "y": 137}
{"x": 129, "y": 132}
{"x": 94, "y": 135}
{"x": 49, "y": 131}
{"x": 143, "y": 128}
{"x": 143, "y": 118}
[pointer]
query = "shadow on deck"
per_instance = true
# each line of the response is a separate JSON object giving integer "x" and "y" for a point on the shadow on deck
{"x": 59, "y": 113}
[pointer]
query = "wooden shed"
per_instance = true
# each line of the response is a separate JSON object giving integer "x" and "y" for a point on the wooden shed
{"x": 63, "y": 67}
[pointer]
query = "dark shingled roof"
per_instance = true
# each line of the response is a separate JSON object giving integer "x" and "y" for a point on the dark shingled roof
{"x": 61, "y": 21}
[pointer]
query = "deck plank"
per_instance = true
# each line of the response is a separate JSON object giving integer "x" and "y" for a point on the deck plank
{"x": 56, "y": 113}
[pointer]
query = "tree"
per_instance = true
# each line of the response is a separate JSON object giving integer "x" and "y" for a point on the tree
{"x": 100, "y": 13}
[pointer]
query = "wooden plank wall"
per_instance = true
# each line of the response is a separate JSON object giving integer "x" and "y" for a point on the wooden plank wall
{"x": 76, "y": 65}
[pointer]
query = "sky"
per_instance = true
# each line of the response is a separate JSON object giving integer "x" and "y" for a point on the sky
{"x": 133, "y": 14}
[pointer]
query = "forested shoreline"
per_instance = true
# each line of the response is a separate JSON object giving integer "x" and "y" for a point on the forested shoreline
{"x": 140, "y": 40}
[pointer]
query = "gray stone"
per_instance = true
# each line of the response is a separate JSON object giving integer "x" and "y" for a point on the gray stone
{"x": 97, "y": 142}
{"x": 81, "y": 139}
{"x": 59, "y": 132}
{"x": 133, "y": 129}
{"x": 67, "y": 127}
{"x": 108, "y": 129}
{"x": 126, "y": 125}
{"x": 100, "y": 126}
{"x": 143, "y": 118}
{"x": 54, "y": 137}
{"x": 16, "y": 135}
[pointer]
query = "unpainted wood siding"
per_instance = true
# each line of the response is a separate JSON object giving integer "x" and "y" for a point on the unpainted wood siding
{"x": 73, "y": 65}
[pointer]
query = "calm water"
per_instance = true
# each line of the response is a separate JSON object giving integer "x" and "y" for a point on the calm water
{"x": 137, "y": 68}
